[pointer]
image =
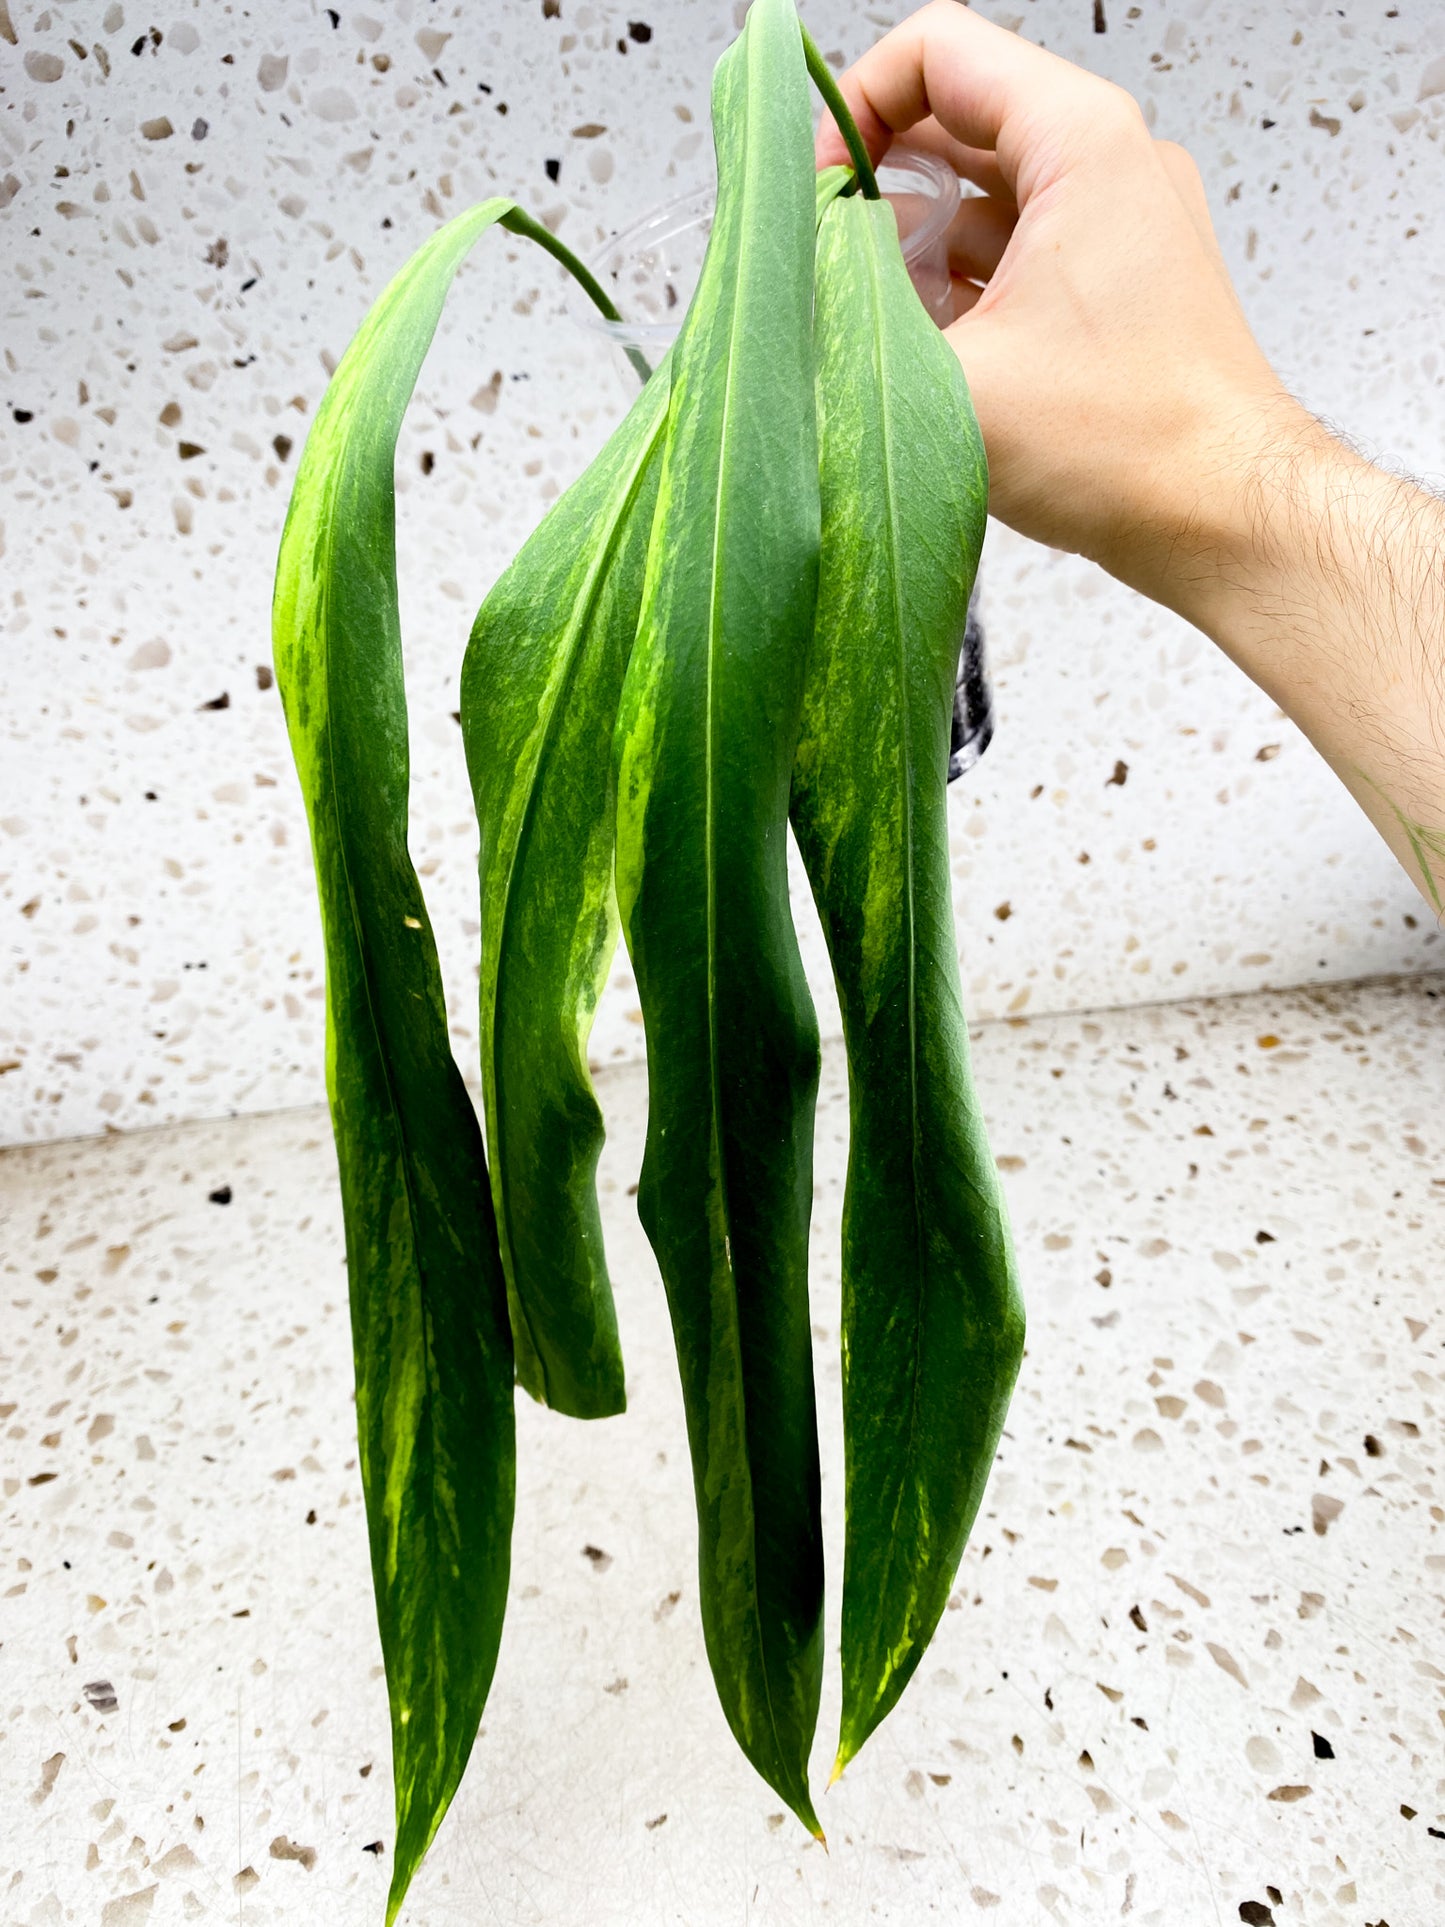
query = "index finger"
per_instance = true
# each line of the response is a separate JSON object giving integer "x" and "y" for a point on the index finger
{"x": 984, "y": 85}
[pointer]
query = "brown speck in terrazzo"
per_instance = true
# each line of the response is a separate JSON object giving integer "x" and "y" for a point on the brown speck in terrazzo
{"x": 1226, "y": 1662}
{"x": 1324, "y": 1510}
{"x": 283, "y": 1849}
{"x": 599, "y": 1559}
{"x": 1120, "y": 776}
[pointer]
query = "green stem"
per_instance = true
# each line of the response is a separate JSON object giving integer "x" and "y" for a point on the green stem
{"x": 522, "y": 223}
{"x": 833, "y": 100}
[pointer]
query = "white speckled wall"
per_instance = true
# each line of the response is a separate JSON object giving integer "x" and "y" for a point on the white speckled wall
{"x": 195, "y": 213}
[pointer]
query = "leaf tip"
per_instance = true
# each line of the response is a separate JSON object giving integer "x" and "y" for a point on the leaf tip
{"x": 400, "y": 1881}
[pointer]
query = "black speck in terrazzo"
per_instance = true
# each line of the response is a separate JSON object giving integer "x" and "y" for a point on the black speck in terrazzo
{"x": 199, "y": 129}
{"x": 1254, "y": 1913}
{"x": 639, "y": 31}
{"x": 221, "y": 1194}
{"x": 1101, "y": 25}
{"x": 375, "y": 1846}
{"x": 223, "y": 701}
{"x": 101, "y": 1695}
{"x": 1323, "y": 1749}
{"x": 1264, "y": 1238}
{"x": 554, "y": 169}
{"x": 23, "y": 415}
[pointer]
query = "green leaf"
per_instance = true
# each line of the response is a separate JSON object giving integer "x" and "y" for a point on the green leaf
{"x": 933, "y": 1324}
{"x": 706, "y": 736}
{"x": 540, "y": 691}
{"x": 434, "y": 1377}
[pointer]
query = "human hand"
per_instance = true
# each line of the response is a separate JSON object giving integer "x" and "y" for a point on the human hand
{"x": 1120, "y": 392}
{"x": 1129, "y": 414}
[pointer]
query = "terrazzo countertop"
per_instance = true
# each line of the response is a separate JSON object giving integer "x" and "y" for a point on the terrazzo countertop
{"x": 196, "y": 210}
{"x": 1195, "y": 1670}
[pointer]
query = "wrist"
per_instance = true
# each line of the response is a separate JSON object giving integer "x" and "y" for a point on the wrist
{"x": 1267, "y": 557}
{"x": 1312, "y": 569}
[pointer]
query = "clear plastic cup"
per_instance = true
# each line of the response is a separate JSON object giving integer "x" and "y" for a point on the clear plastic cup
{"x": 651, "y": 268}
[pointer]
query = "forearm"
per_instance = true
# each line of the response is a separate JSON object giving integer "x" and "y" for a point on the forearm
{"x": 1324, "y": 579}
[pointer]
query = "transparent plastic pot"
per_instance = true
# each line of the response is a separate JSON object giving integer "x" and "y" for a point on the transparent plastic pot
{"x": 651, "y": 268}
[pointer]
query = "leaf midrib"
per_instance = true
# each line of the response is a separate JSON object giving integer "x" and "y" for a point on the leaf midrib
{"x": 752, "y": 74}
{"x": 894, "y": 544}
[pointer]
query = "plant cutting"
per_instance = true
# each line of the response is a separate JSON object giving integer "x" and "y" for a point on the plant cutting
{"x": 746, "y": 611}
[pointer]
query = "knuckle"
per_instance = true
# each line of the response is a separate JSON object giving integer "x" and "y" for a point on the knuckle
{"x": 1121, "y": 112}
{"x": 1178, "y": 160}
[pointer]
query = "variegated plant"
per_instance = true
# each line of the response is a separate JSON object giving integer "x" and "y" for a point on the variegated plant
{"x": 746, "y": 611}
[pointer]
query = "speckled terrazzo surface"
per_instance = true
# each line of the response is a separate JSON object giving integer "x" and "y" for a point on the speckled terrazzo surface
{"x": 1195, "y": 1669}
{"x": 196, "y": 208}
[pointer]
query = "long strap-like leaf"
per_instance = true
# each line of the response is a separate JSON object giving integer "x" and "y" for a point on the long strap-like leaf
{"x": 540, "y": 690}
{"x": 707, "y": 732}
{"x": 933, "y": 1324}
{"x": 434, "y": 1376}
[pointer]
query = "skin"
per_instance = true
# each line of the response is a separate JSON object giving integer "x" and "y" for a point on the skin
{"x": 1131, "y": 416}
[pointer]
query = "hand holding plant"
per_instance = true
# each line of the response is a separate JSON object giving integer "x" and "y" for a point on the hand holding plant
{"x": 1131, "y": 415}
